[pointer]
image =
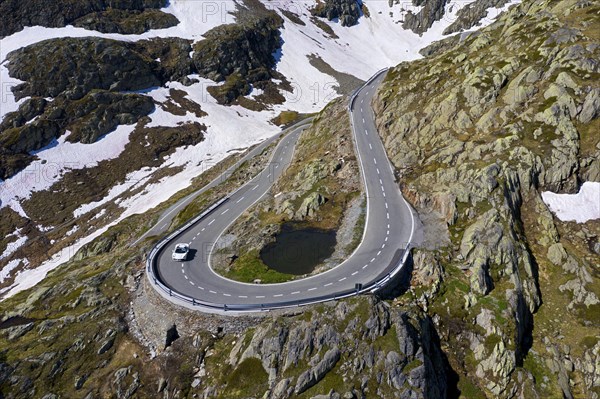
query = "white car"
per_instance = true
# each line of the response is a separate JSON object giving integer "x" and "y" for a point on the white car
{"x": 180, "y": 252}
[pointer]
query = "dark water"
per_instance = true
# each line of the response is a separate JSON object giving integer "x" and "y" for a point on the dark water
{"x": 298, "y": 250}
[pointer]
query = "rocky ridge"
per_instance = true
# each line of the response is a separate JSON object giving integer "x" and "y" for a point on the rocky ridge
{"x": 476, "y": 132}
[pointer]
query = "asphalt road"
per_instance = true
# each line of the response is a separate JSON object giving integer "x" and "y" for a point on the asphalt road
{"x": 390, "y": 226}
{"x": 164, "y": 221}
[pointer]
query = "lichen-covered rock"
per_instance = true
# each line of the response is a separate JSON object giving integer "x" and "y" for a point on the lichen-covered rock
{"x": 476, "y": 132}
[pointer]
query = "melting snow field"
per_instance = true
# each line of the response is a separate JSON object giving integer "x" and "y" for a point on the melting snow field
{"x": 580, "y": 207}
{"x": 376, "y": 42}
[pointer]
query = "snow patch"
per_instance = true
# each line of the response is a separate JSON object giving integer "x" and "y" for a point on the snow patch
{"x": 28, "y": 278}
{"x": 14, "y": 245}
{"x": 55, "y": 160}
{"x": 6, "y": 270}
{"x": 580, "y": 207}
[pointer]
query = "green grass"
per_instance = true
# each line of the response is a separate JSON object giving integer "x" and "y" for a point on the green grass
{"x": 358, "y": 229}
{"x": 469, "y": 390}
{"x": 250, "y": 267}
{"x": 540, "y": 373}
{"x": 248, "y": 379}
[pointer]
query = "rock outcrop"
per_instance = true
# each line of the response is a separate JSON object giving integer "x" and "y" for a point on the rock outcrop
{"x": 239, "y": 54}
{"x": 347, "y": 12}
{"x": 106, "y": 16}
{"x": 471, "y": 14}
{"x": 431, "y": 11}
{"x": 476, "y": 132}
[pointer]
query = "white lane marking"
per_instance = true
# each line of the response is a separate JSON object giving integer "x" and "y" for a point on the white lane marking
{"x": 295, "y": 292}
{"x": 361, "y": 110}
{"x": 192, "y": 283}
{"x": 372, "y": 260}
{"x": 212, "y": 292}
{"x": 225, "y": 211}
{"x": 388, "y": 226}
{"x": 204, "y": 228}
{"x": 363, "y": 120}
{"x": 378, "y": 253}
{"x": 374, "y": 161}
{"x": 342, "y": 279}
{"x": 211, "y": 222}
{"x": 226, "y": 294}
{"x": 386, "y": 205}
{"x": 387, "y": 215}
{"x": 355, "y": 273}
{"x": 361, "y": 101}
{"x": 255, "y": 187}
{"x": 193, "y": 238}
{"x": 260, "y": 296}
{"x": 276, "y": 166}
{"x": 383, "y": 192}
{"x": 277, "y": 295}
{"x": 182, "y": 271}
{"x": 386, "y": 238}
{"x": 366, "y": 132}
{"x": 381, "y": 182}
{"x": 378, "y": 171}
{"x": 186, "y": 277}
{"x": 328, "y": 284}
{"x": 268, "y": 176}
{"x": 365, "y": 266}
{"x": 312, "y": 289}
{"x": 202, "y": 288}
{"x": 242, "y": 296}
{"x": 240, "y": 200}
{"x": 382, "y": 246}
{"x": 382, "y": 189}
{"x": 370, "y": 146}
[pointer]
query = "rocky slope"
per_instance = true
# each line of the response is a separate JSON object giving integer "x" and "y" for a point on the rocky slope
{"x": 106, "y": 16}
{"x": 476, "y": 133}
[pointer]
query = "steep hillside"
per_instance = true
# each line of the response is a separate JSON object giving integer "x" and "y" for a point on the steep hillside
{"x": 477, "y": 133}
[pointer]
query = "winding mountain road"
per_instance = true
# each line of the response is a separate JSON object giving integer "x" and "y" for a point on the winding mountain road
{"x": 389, "y": 230}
